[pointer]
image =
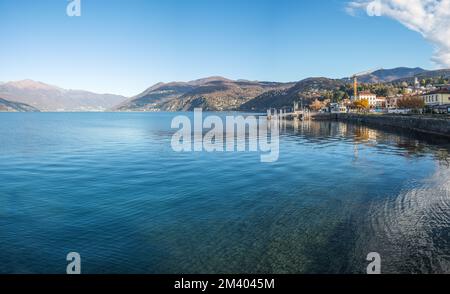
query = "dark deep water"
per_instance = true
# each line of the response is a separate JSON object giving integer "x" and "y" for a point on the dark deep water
{"x": 109, "y": 186}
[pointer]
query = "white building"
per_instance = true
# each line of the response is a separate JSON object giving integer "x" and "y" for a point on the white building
{"x": 409, "y": 90}
{"x": 337, "y": 108}
{"x": 372, "y": 98}
{"x": 416, "y": 83}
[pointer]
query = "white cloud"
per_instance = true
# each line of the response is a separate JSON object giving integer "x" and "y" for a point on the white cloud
{"x": 430, "y": 18}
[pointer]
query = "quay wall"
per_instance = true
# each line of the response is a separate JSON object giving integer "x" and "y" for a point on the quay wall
{"x": 431, "y": 125}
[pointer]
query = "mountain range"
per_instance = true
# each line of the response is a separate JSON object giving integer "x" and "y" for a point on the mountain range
{"x": 444, "y": 73}
{"x": 390, "y": 75}
{"x": 221, "y": 94}
{"x": 51, "y": 98}
{"x": 210, "y": 94}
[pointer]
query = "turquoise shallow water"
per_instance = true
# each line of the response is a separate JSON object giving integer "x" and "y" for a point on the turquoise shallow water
{"x": 109, "y": 186}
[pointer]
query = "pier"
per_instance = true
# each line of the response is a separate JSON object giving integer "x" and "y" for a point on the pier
{"x": 289, "y": 114}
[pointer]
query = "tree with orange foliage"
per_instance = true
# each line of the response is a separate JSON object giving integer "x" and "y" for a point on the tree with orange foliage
{"x": 411, "y": 103}
{"x": 362, "y": 104}
{"x": 317, "y": 105}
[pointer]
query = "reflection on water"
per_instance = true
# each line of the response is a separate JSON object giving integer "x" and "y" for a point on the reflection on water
{"x": 110, "y": 187}
{"x": 407, "y": 143}
{"x": 411, "y": 230}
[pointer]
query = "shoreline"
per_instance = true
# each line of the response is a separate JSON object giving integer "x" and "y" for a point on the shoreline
{"x": 423, "y": 124}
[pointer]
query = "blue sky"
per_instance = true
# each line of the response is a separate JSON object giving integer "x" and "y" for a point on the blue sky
{"x": 123, "y": 47}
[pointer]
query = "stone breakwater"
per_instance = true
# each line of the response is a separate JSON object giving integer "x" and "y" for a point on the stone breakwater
{"x": 431, "y": 125}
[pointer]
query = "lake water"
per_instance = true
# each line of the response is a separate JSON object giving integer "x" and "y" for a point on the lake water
{"x": 109, "y": 186}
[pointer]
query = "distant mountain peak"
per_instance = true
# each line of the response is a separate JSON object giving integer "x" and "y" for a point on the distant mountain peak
{"x": 30, "y": 84}
{"x": 155, "y": 86}
{"x": 209, "y": 80}
{"x": 213, "y": 93}
{"x": 51, "y": 98}
{"x": 195, "y": 83}
{"x": 389, "y": 75}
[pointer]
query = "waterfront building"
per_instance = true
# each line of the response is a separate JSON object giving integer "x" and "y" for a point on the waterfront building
{"x": 439, "y": 97}
{"x": 438, "y": 100}
{"x": 380, "y": 102}
{"x": 392, "y": 101}
{"x": 365, "y": 95}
